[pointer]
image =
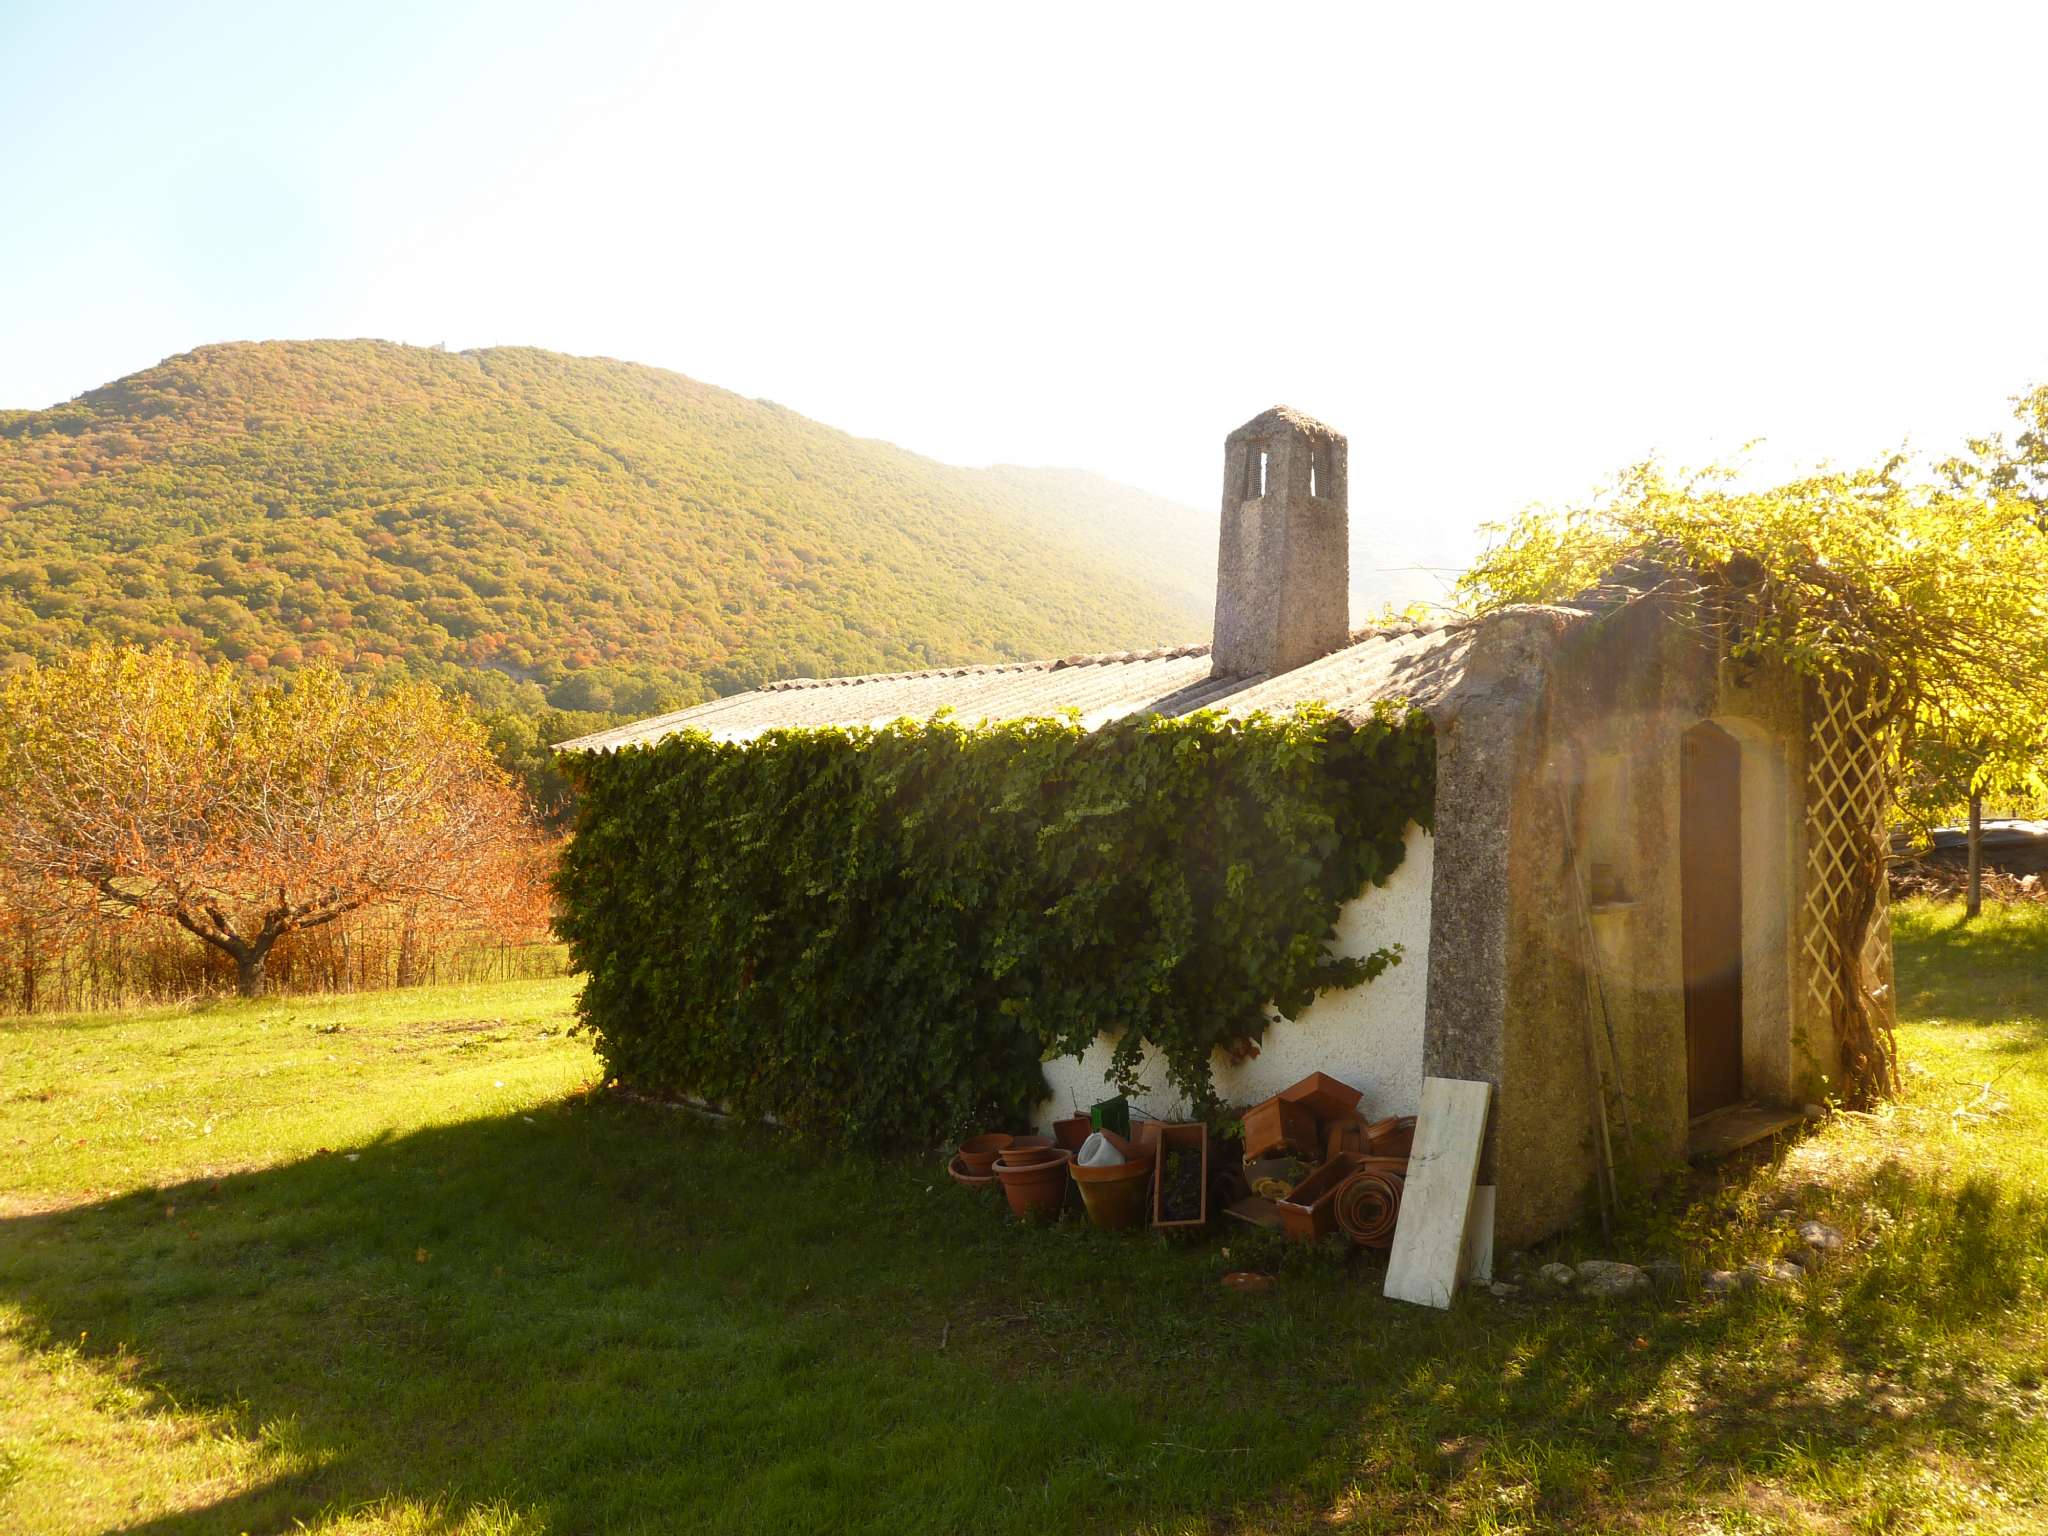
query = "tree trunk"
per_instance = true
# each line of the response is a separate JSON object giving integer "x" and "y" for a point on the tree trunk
{"x": 249, "y": 955}
{"x": 408, "y": 966}
{"x": 249, "y": 962}
{"x": 1974, "y": 902}
{"x": 28, "y": 967}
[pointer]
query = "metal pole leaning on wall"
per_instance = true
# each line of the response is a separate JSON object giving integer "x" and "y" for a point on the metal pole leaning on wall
{"x": 1593, "y": 994}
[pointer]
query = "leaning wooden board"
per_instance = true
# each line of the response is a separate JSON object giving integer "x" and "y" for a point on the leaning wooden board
{"x": 1429, "y": 1245}
{"x": 1479, "y": 1236}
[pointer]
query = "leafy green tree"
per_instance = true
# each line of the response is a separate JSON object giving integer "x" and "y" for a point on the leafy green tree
{"x": 2013, "y": 467}
{"x": 1950, "y": 775}
{"x": 524, "y": 744}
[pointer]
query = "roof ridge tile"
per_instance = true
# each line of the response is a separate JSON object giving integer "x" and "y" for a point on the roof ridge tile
{"x": 985, "y": 669}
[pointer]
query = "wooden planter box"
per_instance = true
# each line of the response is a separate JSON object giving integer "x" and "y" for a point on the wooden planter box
{"x": 1347, "y": 1133}
{"x": 1279, "y": 1123}
{"x": 1307, "y": 1212}
{"x": 1393, "y": 1136}
{"x": 1325, "y": 1097}
{"x": 1181, "y": 1138}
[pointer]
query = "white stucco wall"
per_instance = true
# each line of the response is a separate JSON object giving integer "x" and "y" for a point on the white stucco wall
{"x": 1370, "y": 1036}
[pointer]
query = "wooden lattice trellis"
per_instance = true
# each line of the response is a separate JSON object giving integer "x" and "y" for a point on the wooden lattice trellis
{"x": 1845, "y": 804}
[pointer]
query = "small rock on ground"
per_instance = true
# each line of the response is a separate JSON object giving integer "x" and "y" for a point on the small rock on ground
{"x": 1557, "y": 1276}
{"x": 1667, "y": 1273}
{"x": 1503, "y": 1290}
{"x": 1776, "y": 1272}
{"x": 1608, "y": 1277}
{"x": 1722, "y": 1282}
{"x": 1820, "y": 1237}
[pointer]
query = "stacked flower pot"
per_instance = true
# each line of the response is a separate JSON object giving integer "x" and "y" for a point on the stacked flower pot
{"x": 1160, "y": 1175}
{"x": 1116, "y": 1193}
{"x": 1361, "y": 1166}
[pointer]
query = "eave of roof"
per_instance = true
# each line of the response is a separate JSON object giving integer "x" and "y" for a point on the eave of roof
{"x": 1422, "y": 664}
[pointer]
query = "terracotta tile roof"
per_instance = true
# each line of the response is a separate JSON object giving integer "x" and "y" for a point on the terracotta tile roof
{"x": 1423, "y": 664}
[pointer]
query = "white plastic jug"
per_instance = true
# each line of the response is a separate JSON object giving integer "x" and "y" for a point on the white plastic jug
{"x": 1098, "y": 1151}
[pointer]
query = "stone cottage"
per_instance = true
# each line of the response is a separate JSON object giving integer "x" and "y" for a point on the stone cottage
{"x": 1626, "y": 905}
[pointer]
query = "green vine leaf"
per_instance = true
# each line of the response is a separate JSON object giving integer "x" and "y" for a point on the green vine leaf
{"x": 881, "y": 934}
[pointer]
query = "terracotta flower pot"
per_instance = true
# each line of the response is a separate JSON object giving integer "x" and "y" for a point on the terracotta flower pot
{"x": 1024, "y": 1157}
{"x": 968, "y": 1177}
{"x": 1038, "y": 1186}
{"x": 1119, "y": 1195}
{"x": 1368, "y": 1207}
{"x": 978, "y": 1153}
{"x": 1026, "y": 1144}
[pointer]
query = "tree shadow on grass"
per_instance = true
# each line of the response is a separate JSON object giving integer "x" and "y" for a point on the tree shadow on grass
{"x": 607, "y": 1316}
{"x": 1883, "y": 1360}
{"x": 1986, "y": 973}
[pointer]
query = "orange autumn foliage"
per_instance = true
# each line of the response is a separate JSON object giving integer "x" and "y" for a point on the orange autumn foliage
{"x": 139, "y": 786}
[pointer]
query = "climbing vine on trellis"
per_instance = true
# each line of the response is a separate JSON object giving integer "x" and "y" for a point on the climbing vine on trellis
{"x": 1914, "y": 612}
{"x": 1846, "y": 905}
{"x": 882, "y": 933}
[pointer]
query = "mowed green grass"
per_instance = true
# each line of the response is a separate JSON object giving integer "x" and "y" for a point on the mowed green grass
{"x": 108, "y": 1103}
{"x": 388, "y": 1264}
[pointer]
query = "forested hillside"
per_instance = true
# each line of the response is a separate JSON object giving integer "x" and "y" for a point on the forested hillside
{"x": 1173, "y": 547}
{"x": 548, "y": 530}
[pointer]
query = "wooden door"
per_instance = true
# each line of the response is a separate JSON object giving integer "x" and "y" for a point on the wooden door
{"x": 1710, "y": 865}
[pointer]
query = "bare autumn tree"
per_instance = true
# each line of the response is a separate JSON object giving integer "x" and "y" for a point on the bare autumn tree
{"x": 144, "y": 783}
{"x": 36, "y": 922}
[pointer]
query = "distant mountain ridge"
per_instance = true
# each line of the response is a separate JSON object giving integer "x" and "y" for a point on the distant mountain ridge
{"x": 530, "y": 526}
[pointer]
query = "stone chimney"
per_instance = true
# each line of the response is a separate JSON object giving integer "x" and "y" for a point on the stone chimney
{"x": 1283, "y": 571}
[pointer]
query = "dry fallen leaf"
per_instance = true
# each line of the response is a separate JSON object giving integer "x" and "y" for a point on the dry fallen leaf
{"x": 420, "y": 1257}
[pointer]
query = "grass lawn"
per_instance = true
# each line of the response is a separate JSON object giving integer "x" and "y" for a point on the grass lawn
{"x": 385, "y": 1264}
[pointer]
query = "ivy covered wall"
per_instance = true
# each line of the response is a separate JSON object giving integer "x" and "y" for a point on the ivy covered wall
{"x": 879, "y": 934}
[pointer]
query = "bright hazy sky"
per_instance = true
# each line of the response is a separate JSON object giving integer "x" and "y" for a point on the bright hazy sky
{"x": 1506, "y": 250}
